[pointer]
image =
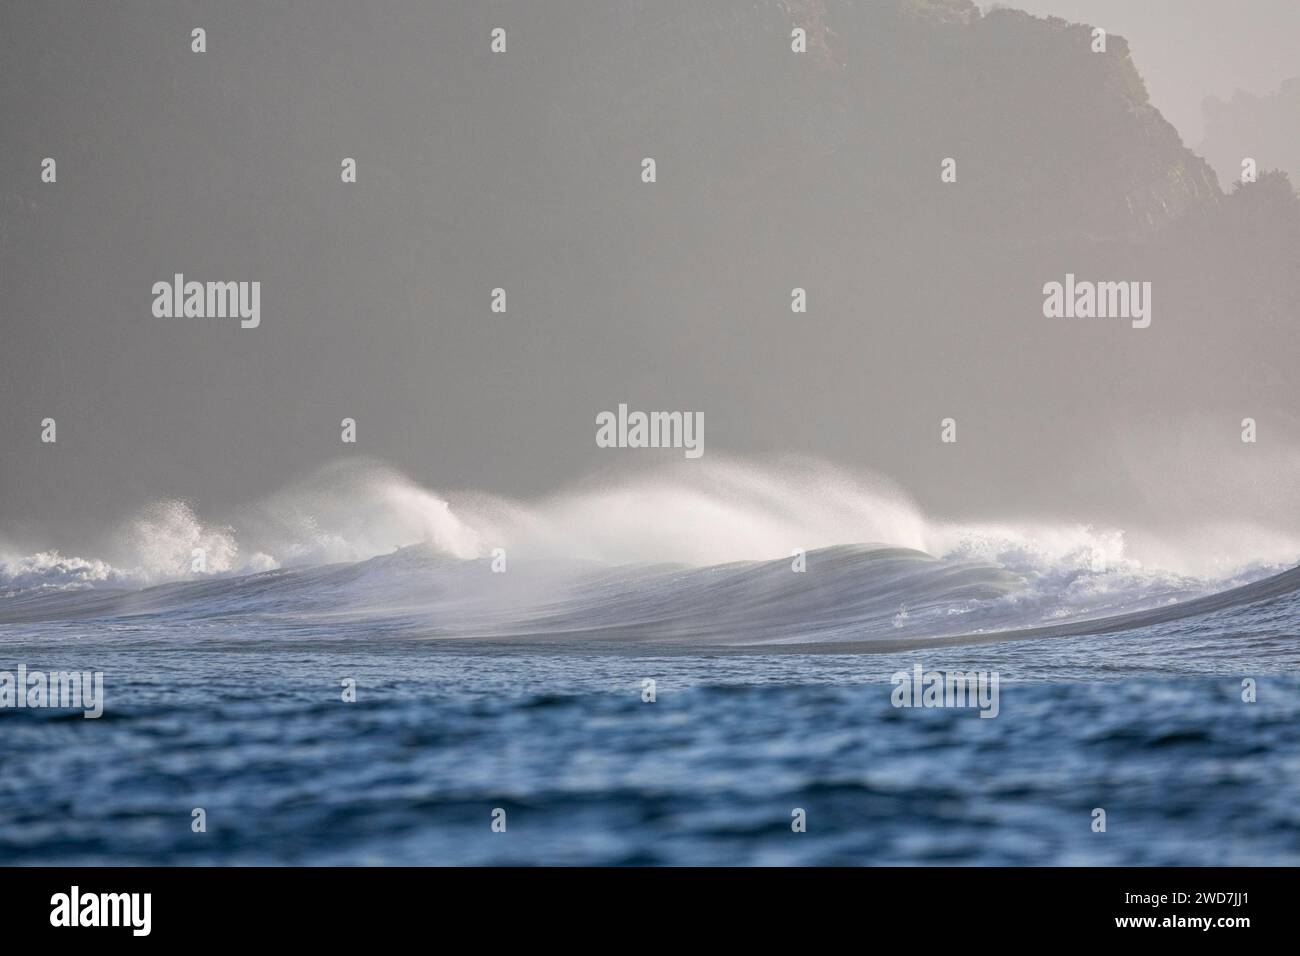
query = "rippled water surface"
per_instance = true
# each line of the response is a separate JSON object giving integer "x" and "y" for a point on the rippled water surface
{"x": 1149, "y": 725}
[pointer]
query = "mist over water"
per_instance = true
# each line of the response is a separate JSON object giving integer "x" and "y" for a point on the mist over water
{"x": 712, "y": 512}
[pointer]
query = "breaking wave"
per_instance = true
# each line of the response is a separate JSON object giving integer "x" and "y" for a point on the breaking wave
{"x": 718, "y": 551}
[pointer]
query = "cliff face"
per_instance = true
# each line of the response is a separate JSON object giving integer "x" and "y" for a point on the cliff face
{"x": 1050, "y": 138}
{"x": 1120, "y": 165}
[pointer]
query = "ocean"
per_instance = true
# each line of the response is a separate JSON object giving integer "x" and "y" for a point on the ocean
{"x": 414, "y": 708}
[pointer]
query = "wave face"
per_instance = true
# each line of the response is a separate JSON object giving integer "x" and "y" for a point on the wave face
{"x": 723, "y": 555}
{"x": 849, "y": 597}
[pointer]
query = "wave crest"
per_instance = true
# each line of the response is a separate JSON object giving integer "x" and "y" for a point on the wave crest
{"x": 695, "y": 514}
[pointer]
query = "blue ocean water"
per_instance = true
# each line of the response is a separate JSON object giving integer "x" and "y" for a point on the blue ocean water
{"x": 212, "y": 704}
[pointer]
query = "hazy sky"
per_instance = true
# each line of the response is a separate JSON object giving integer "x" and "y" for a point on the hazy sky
{"x": 522, "y": 171}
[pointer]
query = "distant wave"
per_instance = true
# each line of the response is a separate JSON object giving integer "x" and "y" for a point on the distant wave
{"x": 703, "y": 554}
{"x": 850, "y": 598}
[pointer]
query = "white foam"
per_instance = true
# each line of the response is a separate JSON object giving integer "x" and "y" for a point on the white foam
{"x": 696, "y": 513}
